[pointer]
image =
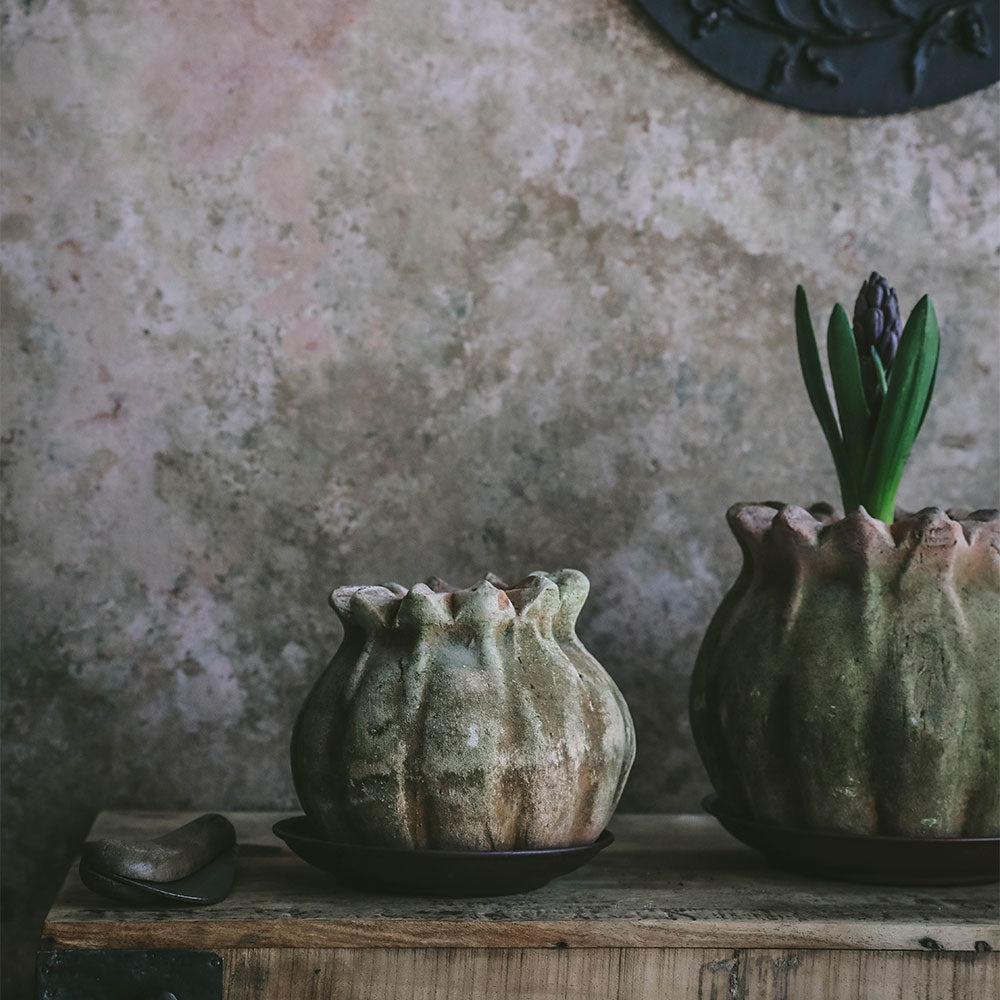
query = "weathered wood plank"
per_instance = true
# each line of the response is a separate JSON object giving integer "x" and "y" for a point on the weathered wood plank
{"x": 603, "y": 973}
{"x": 162, "y": 932}
{"x": 668, "y": 881}
{"x": 865, "y": 975}
{"x": 461, "y": 974}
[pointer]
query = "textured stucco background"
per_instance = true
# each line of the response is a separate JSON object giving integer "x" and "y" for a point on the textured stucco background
{"x": 300, "y": 295}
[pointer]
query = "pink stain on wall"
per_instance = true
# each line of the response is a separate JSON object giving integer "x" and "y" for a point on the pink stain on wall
{"x": 238, "y": 77}
{"x": 228, "y": 72}
{"x": 287, "y": 253}
{"x": 307, "y": 336}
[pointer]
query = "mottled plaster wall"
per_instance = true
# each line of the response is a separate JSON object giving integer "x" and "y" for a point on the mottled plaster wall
{"x": 328, "y": 292}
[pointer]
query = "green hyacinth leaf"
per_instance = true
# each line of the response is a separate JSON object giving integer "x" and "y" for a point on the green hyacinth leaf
{"x": 845, "y": 371}
{"x": 910, "y": 385}
{"x": 879, "y": 371}
{"x": 930, "y": 391}
{"x": 812, "y": 375}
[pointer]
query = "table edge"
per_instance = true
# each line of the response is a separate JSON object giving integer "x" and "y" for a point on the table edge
{"x": 406, "y": 933}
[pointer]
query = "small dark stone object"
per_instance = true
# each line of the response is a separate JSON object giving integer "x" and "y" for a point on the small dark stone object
{"x": 173, "y": 856}
{"x": 210, "y": 884}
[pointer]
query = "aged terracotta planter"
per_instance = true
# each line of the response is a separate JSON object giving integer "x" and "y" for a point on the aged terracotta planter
{"x": 849, "y": 681}
{"x": 463, "y": 719}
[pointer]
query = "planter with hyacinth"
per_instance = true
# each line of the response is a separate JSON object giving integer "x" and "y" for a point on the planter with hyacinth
{"x": 846, "y": 692}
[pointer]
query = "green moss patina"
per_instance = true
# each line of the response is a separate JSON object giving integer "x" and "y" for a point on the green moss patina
{"x": 470, "y": 719}
{"x": 848, "y": 682}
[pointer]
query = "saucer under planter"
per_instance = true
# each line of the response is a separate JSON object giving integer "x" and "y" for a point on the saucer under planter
{"x": 463, "y": 720}
{"x": 434, "y": 873}
{"x": 848, "y": 682}
{"x": 927, "y": 861}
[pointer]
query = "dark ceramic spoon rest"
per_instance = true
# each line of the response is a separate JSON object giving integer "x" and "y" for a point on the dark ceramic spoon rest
{"x": 194, "y": 865}
{"x": 210, "y": 884}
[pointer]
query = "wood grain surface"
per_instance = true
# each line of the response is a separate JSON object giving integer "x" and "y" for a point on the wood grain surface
{"x": 606, "y": 974}
{"x": 668, "y": 882}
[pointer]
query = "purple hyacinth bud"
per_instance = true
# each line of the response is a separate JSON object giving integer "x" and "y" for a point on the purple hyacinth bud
{"x": 876, "y": 323}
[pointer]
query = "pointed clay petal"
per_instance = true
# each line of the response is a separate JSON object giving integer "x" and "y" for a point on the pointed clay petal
{"x": 539, "y": 598}
{"x": 983, "y": 531}
{"x": 930, "y": 527}
{"x": 424, "y": 607}
{"x": 749, "y": 521}
{"x": 931, "y": 540}
{"x": 823, "y": 512}
{"x": 982, "y": 562}
{"x": 374, "y": 608}
{"x": 986, "y": 514}
{"x": 482, "y": 604}
{"x": 340, "y": 601}
{"x": 860, "y": 534}
{"x": 982, "y": 527}
{"x": 573, "y": 590}
{"x": 795, "y": 527}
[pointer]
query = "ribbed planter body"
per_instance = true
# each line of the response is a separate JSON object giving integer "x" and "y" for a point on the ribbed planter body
{"x": 849, "y": 681}
{"x": 466, "y": 720}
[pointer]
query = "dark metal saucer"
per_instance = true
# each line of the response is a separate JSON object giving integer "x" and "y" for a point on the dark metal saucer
{"x": 880, "y": 860}
{"x": 434, "y": 873}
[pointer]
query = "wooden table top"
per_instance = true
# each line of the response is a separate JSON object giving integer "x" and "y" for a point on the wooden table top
{"x": 668, "y": 881}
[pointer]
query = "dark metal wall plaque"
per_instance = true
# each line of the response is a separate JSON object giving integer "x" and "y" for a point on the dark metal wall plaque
{"x": 842, "y": 57}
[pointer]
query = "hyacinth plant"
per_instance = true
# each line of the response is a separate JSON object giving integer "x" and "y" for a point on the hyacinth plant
{"x": 883, "y": 378}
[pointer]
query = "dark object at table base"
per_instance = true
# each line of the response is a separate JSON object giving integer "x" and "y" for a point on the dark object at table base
{"x": 434, "y": 873}
{"x": 848, "y": 58}
{"x": 878, "y": 860}
{"x": 127, "y": 974}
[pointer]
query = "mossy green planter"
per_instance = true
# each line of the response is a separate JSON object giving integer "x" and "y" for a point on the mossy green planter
{"x": 463, "y": 720}
{"x": 849, "y": 680}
